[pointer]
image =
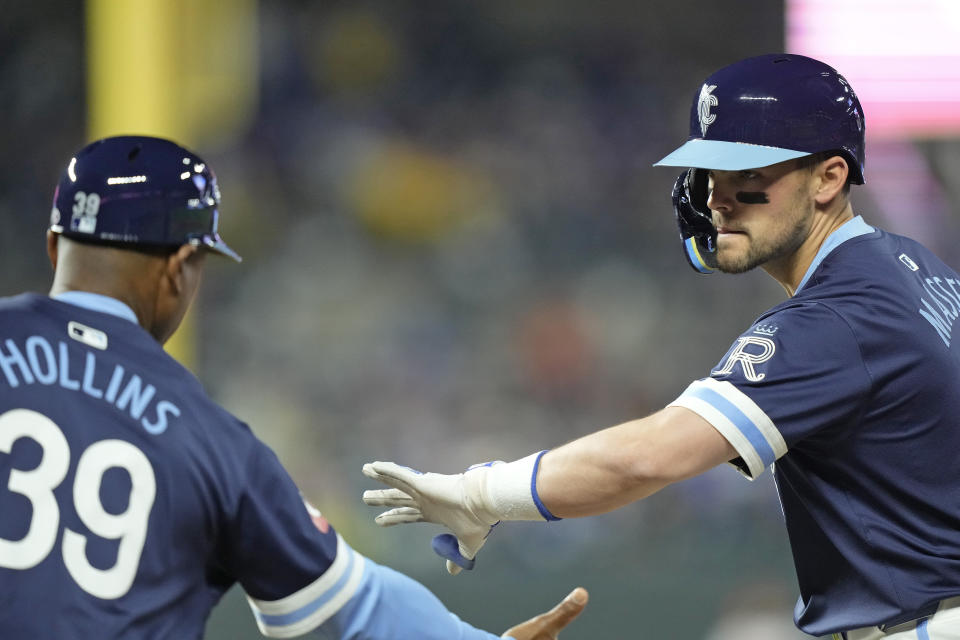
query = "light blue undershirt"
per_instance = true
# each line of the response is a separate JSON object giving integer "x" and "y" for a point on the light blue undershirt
{"x": 97, "y": 302}
{"x": 849, "y": 229}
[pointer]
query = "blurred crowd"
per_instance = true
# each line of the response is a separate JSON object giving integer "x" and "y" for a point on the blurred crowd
{"x": 456, "y": 249}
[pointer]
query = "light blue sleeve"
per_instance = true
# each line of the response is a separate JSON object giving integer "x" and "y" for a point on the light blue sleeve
{"x": 357, "y": 599}
{"x": 388, "y": 604}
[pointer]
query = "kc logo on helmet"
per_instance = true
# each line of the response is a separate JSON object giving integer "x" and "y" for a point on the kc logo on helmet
{"x": 706, "y": 102}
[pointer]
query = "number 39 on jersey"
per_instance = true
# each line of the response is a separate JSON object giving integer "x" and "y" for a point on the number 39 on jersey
{"x": 38, "y": 484}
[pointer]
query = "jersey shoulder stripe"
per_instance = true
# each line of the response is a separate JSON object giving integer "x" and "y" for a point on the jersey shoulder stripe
{"x": 738, "y": 419}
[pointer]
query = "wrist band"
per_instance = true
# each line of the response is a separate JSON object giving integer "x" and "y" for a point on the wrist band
{"x": 511, "y": 490}
{"x": 536, "y": 496}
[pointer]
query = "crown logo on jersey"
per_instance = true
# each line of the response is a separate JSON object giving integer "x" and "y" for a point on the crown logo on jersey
{"x": 706, "y": 102}
{"x": 766, "y": 329}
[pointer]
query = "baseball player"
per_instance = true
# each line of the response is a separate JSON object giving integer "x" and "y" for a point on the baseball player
{"x": 848, "y": 389}
{"x": 130, "y": 501}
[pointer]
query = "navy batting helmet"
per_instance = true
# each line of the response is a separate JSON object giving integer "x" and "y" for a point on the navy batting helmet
{"x": 771, "y": 108}
{"x": 139, "y": 191}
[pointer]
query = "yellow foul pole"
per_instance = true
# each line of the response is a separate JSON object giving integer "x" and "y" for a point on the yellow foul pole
{"x": 132, "y": 85}
{"x": 175, "y": 69}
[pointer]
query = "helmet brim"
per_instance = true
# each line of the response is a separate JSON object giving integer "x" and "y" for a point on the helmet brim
{"x": 727, "y": 156}
{"x": 215, "y": 244}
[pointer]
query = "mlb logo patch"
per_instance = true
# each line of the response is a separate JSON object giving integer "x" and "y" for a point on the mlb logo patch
{"x": 318, "y": 520}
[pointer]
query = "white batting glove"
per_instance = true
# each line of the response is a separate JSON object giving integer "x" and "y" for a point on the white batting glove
{"x": 455, "y": 501}
{"x": 470, "y": 504}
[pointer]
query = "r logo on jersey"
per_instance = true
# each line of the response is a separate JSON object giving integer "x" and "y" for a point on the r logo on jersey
{"x": 749, "y": 352}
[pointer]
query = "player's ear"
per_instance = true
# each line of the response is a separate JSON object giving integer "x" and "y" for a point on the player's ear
{"x": 175, "y": 267}
{"x": 52, "y": 248}
{"x": 832, "y": 174}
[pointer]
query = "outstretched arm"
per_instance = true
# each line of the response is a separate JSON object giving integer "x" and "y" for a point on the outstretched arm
{"x": 611, "y": 468}
{"x": 302, "y": 578}
{"x": 594, "y": 474}
{"x": 388, "y": 604}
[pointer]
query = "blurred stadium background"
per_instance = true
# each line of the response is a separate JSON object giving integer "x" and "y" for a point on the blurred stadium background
{"x": 456, "y": 249}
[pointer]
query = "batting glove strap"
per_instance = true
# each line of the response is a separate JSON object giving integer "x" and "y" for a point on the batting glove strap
{"x": 508, "y": 491}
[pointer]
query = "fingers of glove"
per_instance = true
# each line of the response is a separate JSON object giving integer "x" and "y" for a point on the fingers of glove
{"x": 447, "y": 546}
{"x": 392, "y": 474}
{"x": 452, "y": 568}
{"x": 388, "y": 498}
{"x": 400, "y": 515}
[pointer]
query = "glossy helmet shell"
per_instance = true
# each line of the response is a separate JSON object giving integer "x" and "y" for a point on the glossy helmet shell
{"x": 772, "y": 108}
{"x": 139, "y": 192}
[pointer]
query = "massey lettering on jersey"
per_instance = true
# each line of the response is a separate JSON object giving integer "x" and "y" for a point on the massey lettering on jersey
{"x": 36, "y": 361}
{"x": 941, "y": 306}
{"x": 748, "y": 352}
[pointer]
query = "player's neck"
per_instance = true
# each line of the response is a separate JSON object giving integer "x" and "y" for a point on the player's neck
{"x": 790, "y": 270}
{"x": 131, "y": 277}
{"x": 60, "y": 286}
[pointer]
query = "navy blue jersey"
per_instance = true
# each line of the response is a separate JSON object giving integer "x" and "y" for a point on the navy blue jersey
{"x": 131, "y": 502}
{"x": 853, "y": 387}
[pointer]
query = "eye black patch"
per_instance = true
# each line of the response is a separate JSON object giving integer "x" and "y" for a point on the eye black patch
{"x": 752, "y": 197}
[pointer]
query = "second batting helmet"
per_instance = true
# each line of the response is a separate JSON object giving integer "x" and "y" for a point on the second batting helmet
{"x": 139, "y": 191}
{"x": 771, "y": 108}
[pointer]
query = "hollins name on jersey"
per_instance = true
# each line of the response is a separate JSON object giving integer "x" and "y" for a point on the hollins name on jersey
{"x": 35, "y": 361}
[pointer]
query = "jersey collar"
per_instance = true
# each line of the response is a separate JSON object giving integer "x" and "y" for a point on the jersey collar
{"x": 849, "y": 229}
{"x": 97, "y": 302}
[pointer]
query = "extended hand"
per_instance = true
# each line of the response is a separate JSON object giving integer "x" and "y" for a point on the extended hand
{"x": 455, "y": 501}
{"x": 547, "y": 626}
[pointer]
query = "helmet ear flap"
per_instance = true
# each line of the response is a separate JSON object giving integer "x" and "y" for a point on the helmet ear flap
{"x": 694, "y": 220}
